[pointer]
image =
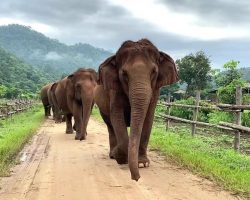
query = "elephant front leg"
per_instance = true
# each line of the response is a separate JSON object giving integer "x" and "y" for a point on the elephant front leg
{"x": 120, "y": 151}
{"x": 77, "y": 112}
{"x": 69, "y": 129}
{"x": 143, "y": 160}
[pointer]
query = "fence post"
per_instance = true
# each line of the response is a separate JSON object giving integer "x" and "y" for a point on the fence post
{"x": 168, "y": 112}
{"x": 238, "y": 98}
{"x": 196, "y": 110}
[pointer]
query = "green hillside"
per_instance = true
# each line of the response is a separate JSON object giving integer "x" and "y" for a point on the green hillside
{"x": 18, "y": 79}
{"x": 246, "y": 73}
{"x": 40, "y": 51}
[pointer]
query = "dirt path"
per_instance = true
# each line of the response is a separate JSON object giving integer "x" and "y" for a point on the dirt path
{"x": 55, "y": 166}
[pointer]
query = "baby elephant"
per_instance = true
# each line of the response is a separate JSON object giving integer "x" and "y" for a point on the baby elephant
{"x": 127, "y": 94}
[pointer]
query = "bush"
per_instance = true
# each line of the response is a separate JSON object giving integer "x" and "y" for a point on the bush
{"x": 246, "y": 99}
{"x": 185, "y": 113}
{"x": 216, "y": 116}
{"x": 246, "y": 118}
{"x": 227, "y": 93}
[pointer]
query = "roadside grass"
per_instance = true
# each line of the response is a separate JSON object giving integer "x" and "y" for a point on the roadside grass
{"x": 207, "y": 154}
{"x": 223, "y": 165}
{"x": 15, "y": 133}
{"x": 96, "y": 113}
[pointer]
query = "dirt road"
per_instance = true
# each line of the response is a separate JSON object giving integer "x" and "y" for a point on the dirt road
{"x": 56, "y": 167}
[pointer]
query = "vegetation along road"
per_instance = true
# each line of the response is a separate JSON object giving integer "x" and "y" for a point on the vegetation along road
{"x": 55, "y": 166}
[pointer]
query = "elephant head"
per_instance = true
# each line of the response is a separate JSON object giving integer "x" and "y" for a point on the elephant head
{"x": 138, "y": 69}
{"x": 82, "y": 84}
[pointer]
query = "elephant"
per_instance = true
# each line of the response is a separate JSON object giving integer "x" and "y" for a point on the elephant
{"x": 52, "y": 101}
{"x": 75, "y": 97}
{"x": 45, "y": 99}
{"x": 128, "y": 88}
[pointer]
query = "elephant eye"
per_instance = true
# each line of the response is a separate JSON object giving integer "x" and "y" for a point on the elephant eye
{"x": 125, "y": 75}
{"x": 154, "y": 71}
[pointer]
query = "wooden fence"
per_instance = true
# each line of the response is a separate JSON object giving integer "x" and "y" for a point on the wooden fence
{"x": 235, "y": 127}
{"x": 14, "y": 106}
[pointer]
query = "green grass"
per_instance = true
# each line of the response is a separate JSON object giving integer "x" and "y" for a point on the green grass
{"x": 15, "y": 133}
{"x": 225, "y": 166}
{"x": 96, "y": 113}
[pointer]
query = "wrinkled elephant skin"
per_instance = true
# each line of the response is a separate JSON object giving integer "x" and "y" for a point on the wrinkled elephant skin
{"x": 127, "y": 94}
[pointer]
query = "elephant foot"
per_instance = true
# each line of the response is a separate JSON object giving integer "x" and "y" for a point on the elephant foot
{"x": 111, "y": 155}
{"x": 143, "y": 161}
{"x": 78, "y": 137}
{"x": 69, "y": 131}
{"x": 119, "y": 156}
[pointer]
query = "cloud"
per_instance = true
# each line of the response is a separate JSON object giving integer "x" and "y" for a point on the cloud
{"x": 52, "y": 55}
{"x": 221, "y": 27}
{"x": 216, "y": 12}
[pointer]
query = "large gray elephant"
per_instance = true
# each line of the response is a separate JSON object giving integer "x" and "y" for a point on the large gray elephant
{"x": 75, "y": 97}
{"x": 127, "y": 94}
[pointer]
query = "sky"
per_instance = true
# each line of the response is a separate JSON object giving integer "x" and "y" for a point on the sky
{"x": 220, "y": 28}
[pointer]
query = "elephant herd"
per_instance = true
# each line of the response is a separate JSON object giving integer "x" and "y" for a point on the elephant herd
{"x": 125, "y": 89}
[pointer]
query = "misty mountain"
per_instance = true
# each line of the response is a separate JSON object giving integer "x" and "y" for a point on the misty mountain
{"x": 42, "y": 52}
{"x": 246, "y": 73}
{"x": 20, "y": 79}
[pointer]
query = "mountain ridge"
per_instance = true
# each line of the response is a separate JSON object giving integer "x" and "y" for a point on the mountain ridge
{"x": 41, "y": 51}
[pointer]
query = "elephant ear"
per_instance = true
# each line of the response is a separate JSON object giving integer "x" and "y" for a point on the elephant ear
{"x": 108, "y": 74}
{"x": 53, "y": 86}
{"x": 70, "y": 77}
{"x": 168, "y": 73}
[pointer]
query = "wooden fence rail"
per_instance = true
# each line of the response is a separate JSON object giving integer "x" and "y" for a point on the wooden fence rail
{"x": 14, "y": 106}
{"x": 235, "y": 127}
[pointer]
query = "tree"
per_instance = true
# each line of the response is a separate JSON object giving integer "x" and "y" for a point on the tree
{"x": 231, "y": 73}
{"x": 168, "y": 89}
{"x": 228, "y": 80}
{"x": 194, "y": 70}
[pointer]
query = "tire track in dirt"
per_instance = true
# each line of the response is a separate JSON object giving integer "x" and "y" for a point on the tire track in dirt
{"x": 58, "y": 167}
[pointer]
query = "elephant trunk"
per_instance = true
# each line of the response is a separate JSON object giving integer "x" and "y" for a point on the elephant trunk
{"x": 87, "y": 103}
{"x": 140, "y": 95}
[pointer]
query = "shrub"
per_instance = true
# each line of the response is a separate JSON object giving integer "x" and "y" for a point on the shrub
{"x": 216, "y": 116}
{"x": 181, "y": 112}
{"x": 227, "y": 93}
{"x": 246, "y": 118}
{"x": 246, "y": 99}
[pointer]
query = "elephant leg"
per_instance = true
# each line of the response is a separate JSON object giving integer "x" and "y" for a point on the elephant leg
{"x": 45, "y": 110}
{"x": 57, "y": 115}
{"x": 77, "y": 112}
{"x": 146, "y": 130}
{"x": 120, "y": 151}
{"x": 69, "y": 129}
{"x": 48, "y": 107}
{"x": 112, "y": 138}
{"x": 112, "y": 142}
